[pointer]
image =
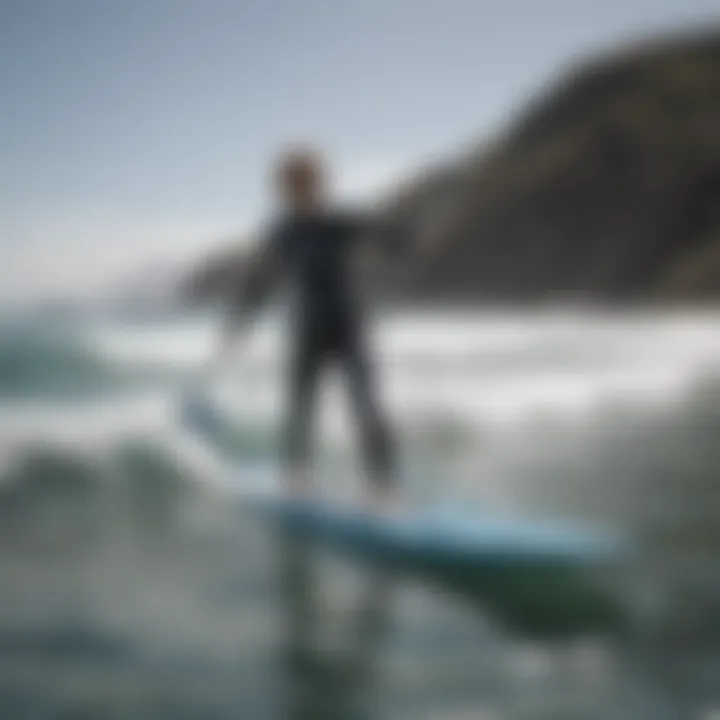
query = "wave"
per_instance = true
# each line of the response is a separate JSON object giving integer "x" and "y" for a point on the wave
{"x": 39, "y": 362}
{"x": 55, "y": 496}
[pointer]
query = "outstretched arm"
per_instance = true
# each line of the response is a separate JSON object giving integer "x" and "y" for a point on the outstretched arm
{"x": 381, "y": 235}
{"x": 249, "y": 294}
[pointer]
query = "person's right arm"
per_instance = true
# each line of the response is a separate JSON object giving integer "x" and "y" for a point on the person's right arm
{"x": 250, "y": 294}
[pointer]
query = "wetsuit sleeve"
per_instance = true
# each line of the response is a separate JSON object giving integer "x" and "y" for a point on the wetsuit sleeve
{"x": 261, "y": 278}
{"x": 386, "y": 234}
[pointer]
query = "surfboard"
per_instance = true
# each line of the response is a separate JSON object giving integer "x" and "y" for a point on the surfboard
{"x": 545, "y": 578}
{"x": 450, "y": 535}
{"x": 455, "y": 535}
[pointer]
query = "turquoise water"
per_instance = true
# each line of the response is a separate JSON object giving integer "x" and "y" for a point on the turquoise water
{"x": 133, "y": 586}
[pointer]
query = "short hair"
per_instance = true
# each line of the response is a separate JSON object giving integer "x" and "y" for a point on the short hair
{"x": 298, "y": 165}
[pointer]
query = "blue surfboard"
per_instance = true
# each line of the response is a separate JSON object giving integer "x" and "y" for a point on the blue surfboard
{"x": 455, "y": 535}
{"x": 543, "y": 578}
{"x": 450, "y": 535}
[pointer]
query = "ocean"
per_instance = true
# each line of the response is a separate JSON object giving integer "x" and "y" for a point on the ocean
{"x": 133, "y": 586}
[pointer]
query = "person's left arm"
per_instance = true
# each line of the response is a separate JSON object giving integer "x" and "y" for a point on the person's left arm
{"x": 380, "y": 234}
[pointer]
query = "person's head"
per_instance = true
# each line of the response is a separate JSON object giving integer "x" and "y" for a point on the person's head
{"x": 300, "y": 179}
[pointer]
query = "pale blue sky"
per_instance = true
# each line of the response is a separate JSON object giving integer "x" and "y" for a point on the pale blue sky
{"x": 133, "y": 130}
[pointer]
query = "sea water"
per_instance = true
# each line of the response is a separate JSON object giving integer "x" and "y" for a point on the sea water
{"x": 131, "y": 585}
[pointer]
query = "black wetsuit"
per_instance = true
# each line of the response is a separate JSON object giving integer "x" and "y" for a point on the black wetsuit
{"x": 313, "y": 254}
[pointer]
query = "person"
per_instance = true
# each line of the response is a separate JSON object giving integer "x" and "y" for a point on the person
{"x": 310, "y": 247}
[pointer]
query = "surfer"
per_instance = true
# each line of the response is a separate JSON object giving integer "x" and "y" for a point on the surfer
{"x": 309, "y": 247}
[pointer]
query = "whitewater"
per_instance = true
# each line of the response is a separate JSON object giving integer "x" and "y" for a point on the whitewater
{"x": 110, "y": 517}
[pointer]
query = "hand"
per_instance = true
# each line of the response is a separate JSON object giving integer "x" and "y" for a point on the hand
{"x": 226, "y": 352}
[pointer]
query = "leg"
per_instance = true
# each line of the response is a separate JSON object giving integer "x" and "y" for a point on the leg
{"x": 303, "y": 378}
{"x": 375, "y": 436}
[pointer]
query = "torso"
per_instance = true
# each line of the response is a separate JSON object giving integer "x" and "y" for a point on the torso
{"x": 317, "y": 255}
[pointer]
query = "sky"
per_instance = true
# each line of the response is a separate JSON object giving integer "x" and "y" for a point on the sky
{"x": 138, "y": 133}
